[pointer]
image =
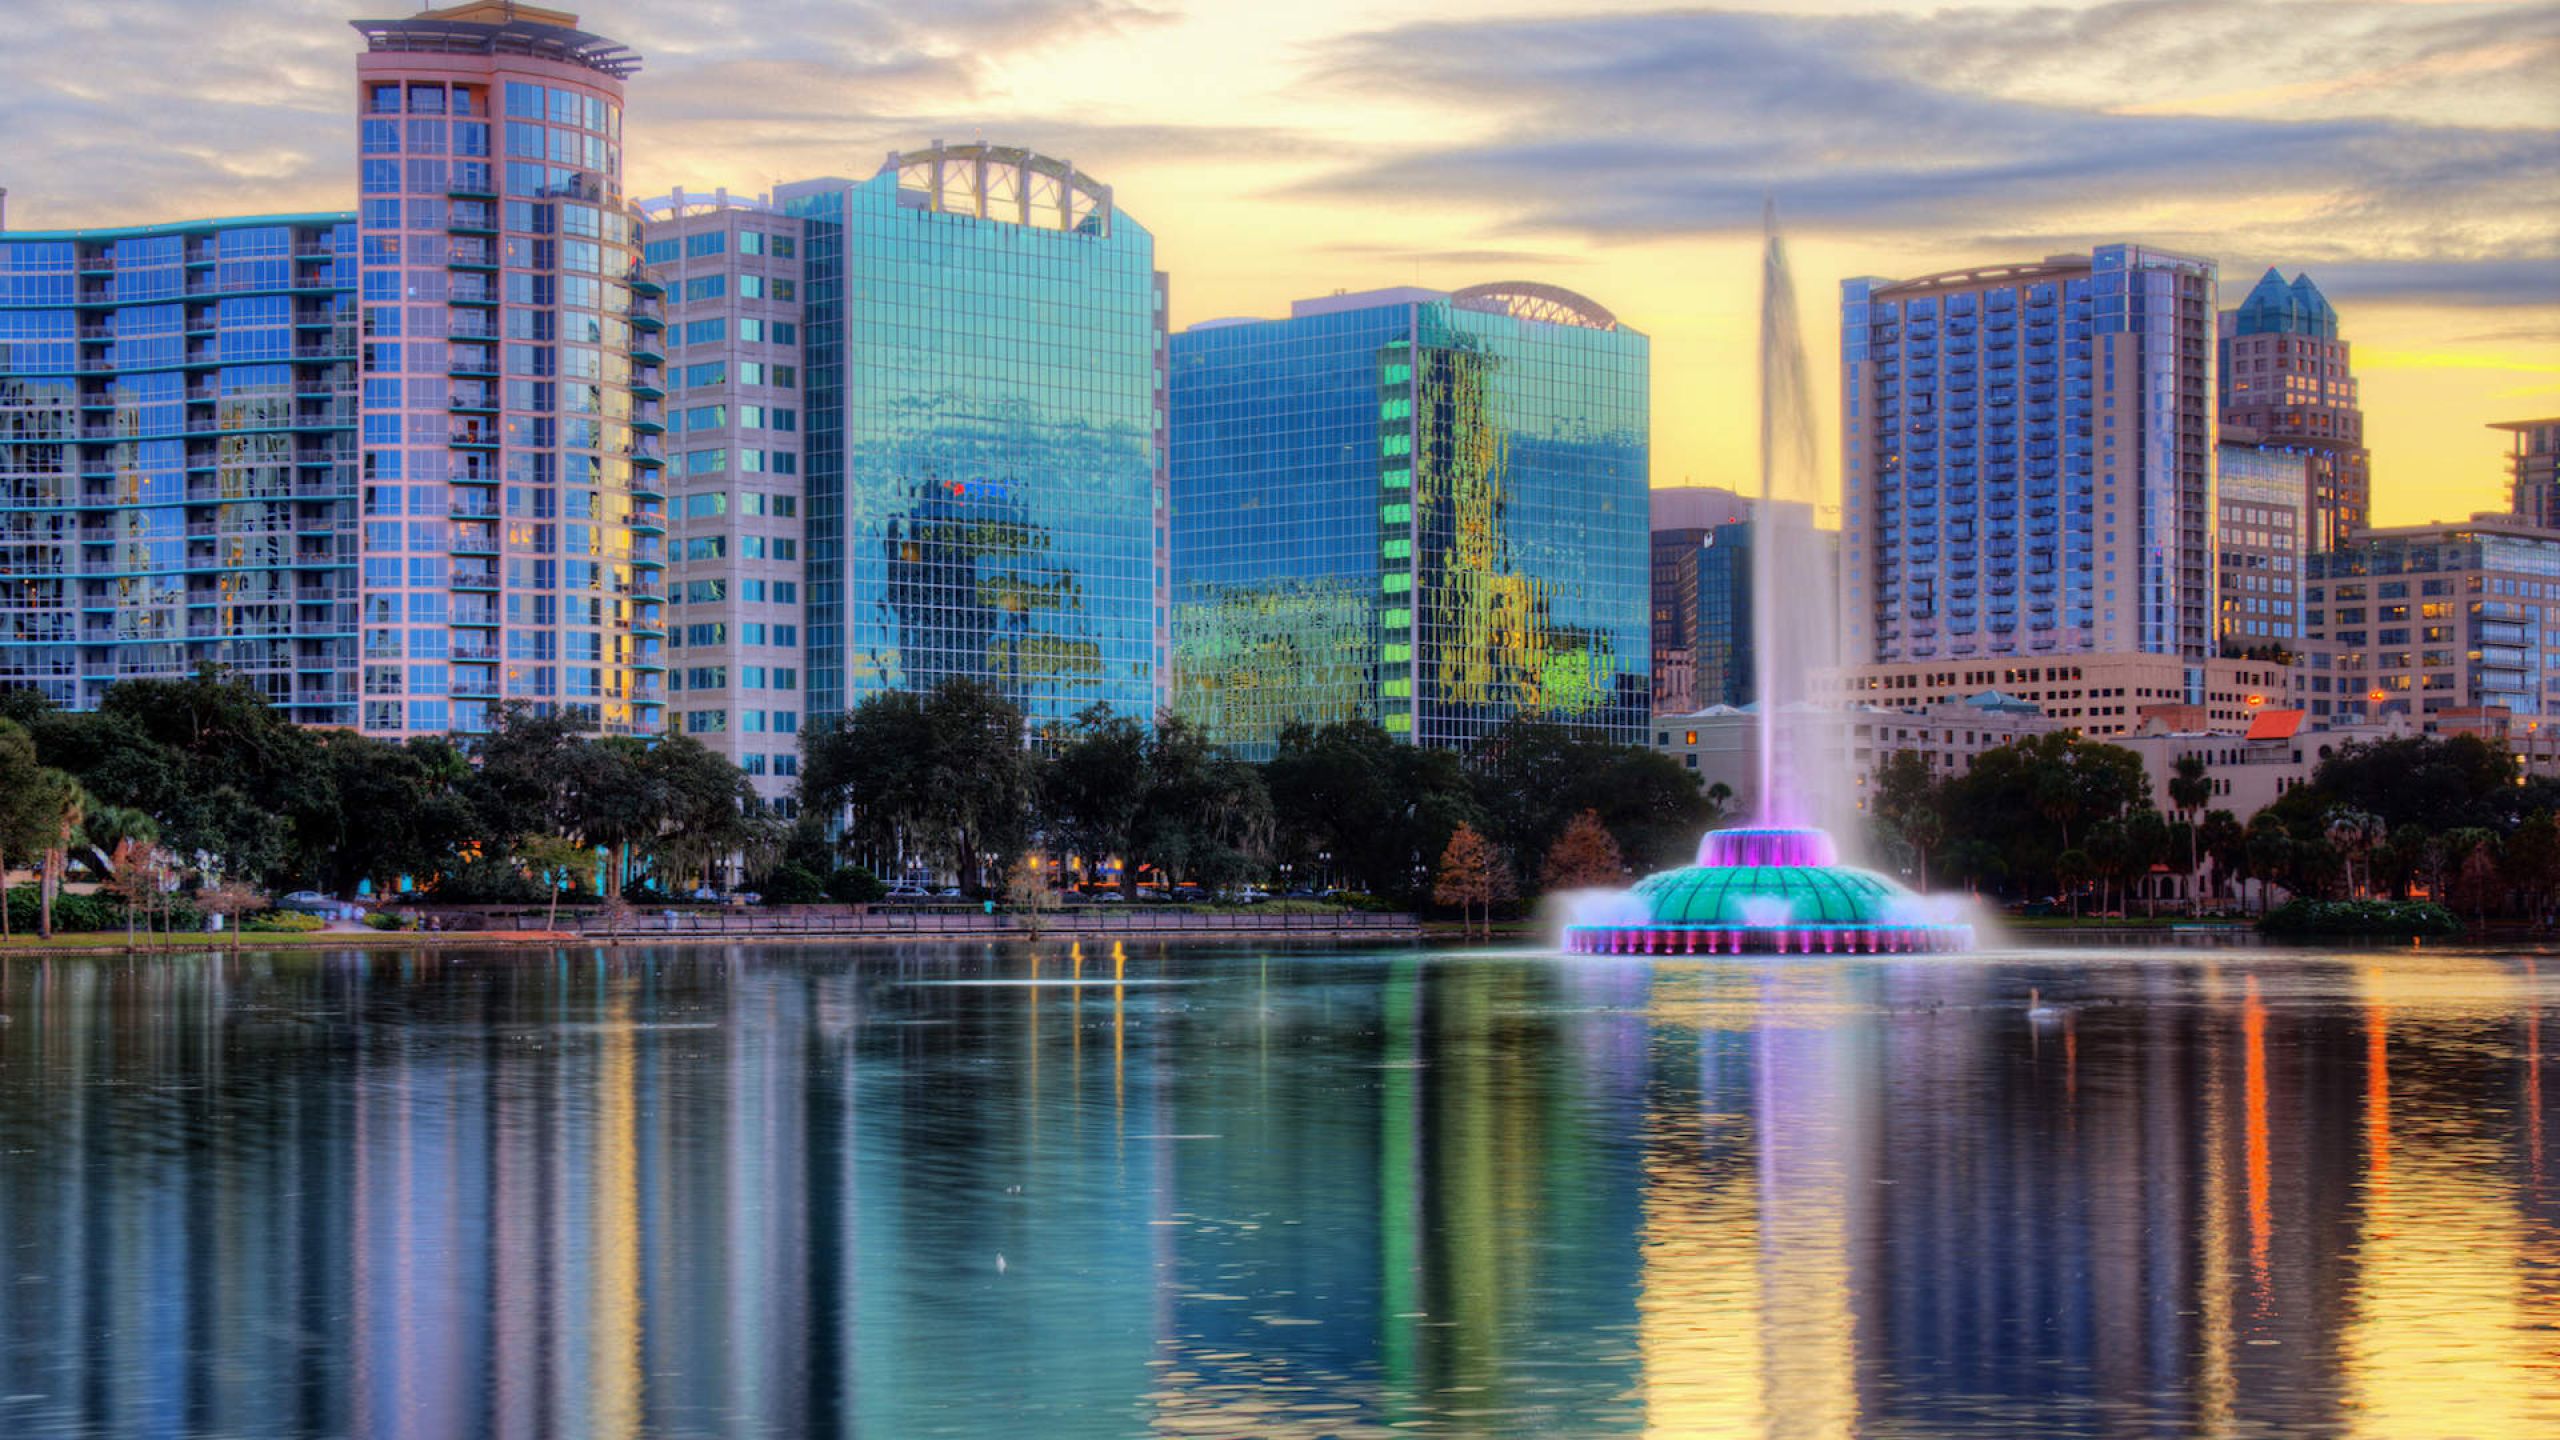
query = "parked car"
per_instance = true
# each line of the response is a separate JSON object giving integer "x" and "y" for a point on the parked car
{"x": 1110, "y": 897}
{"x": 311, "y": 902}
{"x": 948, "y": 892}
{"x": 907, "y": 892}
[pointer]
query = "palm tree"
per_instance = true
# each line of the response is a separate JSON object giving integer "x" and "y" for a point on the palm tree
{"x": 2354, "y": 833}
{"x": 63, "y": 804}
{"x": 2190, "y": 790}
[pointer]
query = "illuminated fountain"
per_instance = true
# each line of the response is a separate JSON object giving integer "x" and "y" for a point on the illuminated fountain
{"x": 1779, "y": 886}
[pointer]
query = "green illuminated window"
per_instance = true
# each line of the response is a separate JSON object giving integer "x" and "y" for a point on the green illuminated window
{"x": 1397, "y": 688}
{"x": 1397, "y": 619}
{"x": 1396, "y": 514}
{"x": 1396, "y": 654}
{"x": 1397, "y": 409}
{"x": 1398, "y": 444}
{"x": 1399, "y": 373}
{"x": 1398, "y": 550}
{"x": 1395, "y": 584}
{"x": 1397, "y": 479}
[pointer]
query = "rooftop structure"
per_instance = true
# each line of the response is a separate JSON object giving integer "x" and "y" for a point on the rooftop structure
{"x": 493, "y": 28}
{"x": 2533, "y": 470}
{"x": 2284, "y": 375}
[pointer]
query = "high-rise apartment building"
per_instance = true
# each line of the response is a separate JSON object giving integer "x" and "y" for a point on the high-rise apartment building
{"x": 731, "y": 272}
{"x": 2027, "y": 462}
{"x": 177, "y": 458}
{"x": 1422, "y": 508}
{"x": 983, "y": 434}
{"x": 513, "y": 494}
{"x": 2420, "y": 620}
{"x": 2261, "y": 506}
{"x": 2533, "y": 471}
{"x": 2285, "y": 375}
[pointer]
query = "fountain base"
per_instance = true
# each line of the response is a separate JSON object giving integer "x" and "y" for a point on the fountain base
{"x": 1771, "y": 891}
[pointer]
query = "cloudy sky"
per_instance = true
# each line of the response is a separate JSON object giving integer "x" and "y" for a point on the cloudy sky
{"x": 2406, "y": 154}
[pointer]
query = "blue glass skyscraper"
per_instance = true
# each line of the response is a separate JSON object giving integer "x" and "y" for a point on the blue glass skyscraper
{"x": 2027, "y": 460}
{"x": 177, "y": 458}
{"x": 984, "y": 343}
{"x": 1414, "y": 507}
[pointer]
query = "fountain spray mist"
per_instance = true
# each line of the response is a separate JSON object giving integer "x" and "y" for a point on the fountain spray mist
{"x": 1792, "y": 599}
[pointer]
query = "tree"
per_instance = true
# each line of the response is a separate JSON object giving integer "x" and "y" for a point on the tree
{"x": 559, "y": 864}
{"x": 2073, "y": 868}
{"x": 22, "y": 818}
{"x": 2190, "y": 790}
{"x": 63, "y": 805}
{"x": 2353, "y": 834}
{"x": 1473, "y": 876}
{"x": 2533, "y": 862}
{"x": 231, "y": 899}
{"x": 1380, "y": 809}
{"x": 943, "y": 775}
{"x": 2226, "y": 844}
{"x": 2270, "y": 849}
{"x": 1584, "y": 857}
{"x": 1091, "y": 788}
{"x": 2147, "y": 843}
{"x": 1026, "y": 889}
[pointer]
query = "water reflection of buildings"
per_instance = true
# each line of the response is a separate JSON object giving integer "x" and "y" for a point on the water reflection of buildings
{"x": 691, "y": 1193}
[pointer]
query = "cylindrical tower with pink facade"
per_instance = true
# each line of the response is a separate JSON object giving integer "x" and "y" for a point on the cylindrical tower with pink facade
{"x": 513, "y": 509}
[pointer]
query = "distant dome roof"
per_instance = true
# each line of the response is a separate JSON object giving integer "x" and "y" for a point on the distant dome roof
{"x": 2276, "y": 308}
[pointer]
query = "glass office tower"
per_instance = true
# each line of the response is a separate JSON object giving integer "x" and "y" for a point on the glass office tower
{"x": 177, "y": 467}
{"x": 983, "y": 344}
{"x": 1414, "y": 507}
{"x": 2286, "y": 376}
{"x": 513, "y": 507}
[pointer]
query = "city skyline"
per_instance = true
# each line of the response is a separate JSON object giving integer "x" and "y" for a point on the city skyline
{"x": 1392, "y": 145}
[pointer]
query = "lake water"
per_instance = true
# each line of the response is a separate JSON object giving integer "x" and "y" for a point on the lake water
{"x": 1047, "y": 1192}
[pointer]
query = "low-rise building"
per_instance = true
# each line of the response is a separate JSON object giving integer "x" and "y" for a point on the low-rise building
{"x": 2099, "y": 695}
{"x": 2429, "y": 621}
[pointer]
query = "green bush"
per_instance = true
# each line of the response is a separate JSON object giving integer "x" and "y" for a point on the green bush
{"x": 71, "y": 912}
{"x": 793, "y": 884}
{"x": 2381, "y": 918}
{"x": 1355, "y": 900}
{"x": 384, "y": 920}
{"x": 282, "y": 922}
{"x": 489, "y": 881}
{"x": 854, "y": 885}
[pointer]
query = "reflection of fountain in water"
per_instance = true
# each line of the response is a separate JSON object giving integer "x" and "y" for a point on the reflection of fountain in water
{"x": 1778, "y": 885}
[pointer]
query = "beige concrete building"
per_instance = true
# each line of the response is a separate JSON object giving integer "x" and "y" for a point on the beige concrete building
{"x": 1721, "y": 745}
{"x": 730, "y": 268}
{"x": 2102, "y": 696}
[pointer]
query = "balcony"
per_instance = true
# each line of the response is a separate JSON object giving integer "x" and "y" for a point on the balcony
{"x": 471, "y": 255}
{"x": 474, "y": 436}
{"x": 475, "y": 577}
{"x": 470, "y": 219}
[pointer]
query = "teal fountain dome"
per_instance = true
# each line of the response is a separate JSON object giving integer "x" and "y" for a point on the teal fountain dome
{"x": 1768, "y": 889}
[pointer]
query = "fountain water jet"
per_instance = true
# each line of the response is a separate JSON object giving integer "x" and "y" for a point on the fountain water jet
{"x": 1778, "y": 885}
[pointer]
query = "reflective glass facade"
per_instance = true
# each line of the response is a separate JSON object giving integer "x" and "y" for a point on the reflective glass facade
{"x": 983, "y": 348}
{"x": 1412, "y": 509}
{"x": 2260, "y": 533}
{"x": 2285, "y": 380}
{"x": 513, "y": 542}
{"x": 177, "y": 465}
{"x": 2027, "y": 463}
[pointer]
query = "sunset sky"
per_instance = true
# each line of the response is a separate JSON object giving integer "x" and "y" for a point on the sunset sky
{"x": 2407, "y": 155}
